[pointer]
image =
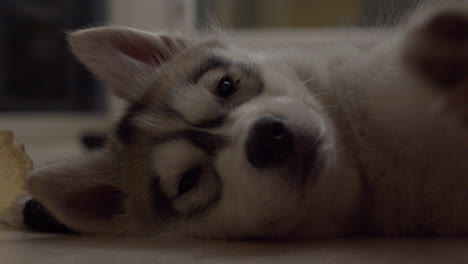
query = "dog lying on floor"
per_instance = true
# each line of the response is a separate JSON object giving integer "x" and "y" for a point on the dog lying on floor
{"x": 223, "y": 142}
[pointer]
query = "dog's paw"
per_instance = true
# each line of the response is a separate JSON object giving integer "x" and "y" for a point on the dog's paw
{"x": 436, "y": 51}
{"x": 14, "y": 217}
{"x": 437, "y": 46}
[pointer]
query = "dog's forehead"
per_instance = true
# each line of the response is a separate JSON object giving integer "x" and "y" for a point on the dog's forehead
{"x": 179, "y": 71}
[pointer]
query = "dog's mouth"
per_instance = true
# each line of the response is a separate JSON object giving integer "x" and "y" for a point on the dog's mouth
{"x": 309, "y": 164}
{"x": 305, "y": 165}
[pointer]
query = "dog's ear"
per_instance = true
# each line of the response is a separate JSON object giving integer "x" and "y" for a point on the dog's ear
{"x": 124, "y": 58}
{"x": 80, "y": 194}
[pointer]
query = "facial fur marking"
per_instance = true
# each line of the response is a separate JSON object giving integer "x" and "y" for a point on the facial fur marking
{"x": 213, "y": 199}
{"x": 201, "y": 208}
{"x": 208, "y": 65}
{"x": 208, "y": 142}
{"x": 169, "y": 109}
{"x": 205, "y": 141}
{"x": 212, "y": 123}
{"x": 161, "y": 203}
{"x": 253, "y": 73}
{"x": 125, "y": 128}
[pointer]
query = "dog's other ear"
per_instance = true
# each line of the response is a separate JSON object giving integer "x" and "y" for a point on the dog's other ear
{"x": 124, "y": 58}
{"x": 81, "y": 195}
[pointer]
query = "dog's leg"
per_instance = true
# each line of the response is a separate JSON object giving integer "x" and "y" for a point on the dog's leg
{"x": 436, "y": 51}
{"x": 411, "y": 121}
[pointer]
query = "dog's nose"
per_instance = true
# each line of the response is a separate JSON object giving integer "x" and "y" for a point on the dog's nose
{"x": 268, "y": 143}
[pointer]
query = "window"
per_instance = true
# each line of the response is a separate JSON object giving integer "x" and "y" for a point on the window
{"x": 37, "y": 71}
{"x": 255, "y": 14}
{"x": 298, "y": 23}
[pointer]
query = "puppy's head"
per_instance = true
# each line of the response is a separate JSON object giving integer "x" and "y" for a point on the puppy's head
{"x": 216, "y": 142}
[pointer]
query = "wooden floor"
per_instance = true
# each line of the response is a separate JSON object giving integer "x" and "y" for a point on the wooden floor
{"x": 23, "y": 247}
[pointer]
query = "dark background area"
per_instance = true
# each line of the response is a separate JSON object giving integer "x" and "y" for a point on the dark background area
{"x": 37, "y": 71}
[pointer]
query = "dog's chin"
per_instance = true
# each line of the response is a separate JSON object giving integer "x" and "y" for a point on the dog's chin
{"x": 304, "y": 166}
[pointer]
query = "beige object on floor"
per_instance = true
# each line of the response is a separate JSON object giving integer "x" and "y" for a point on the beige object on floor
{"x": 14, "y": 166}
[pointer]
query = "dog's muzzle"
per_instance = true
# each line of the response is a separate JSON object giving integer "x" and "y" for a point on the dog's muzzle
{"x": 269, "y": 142}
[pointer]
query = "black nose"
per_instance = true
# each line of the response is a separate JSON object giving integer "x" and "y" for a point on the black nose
{"x": 268, "y": 142}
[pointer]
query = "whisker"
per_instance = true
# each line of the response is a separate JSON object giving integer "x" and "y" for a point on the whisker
{"x": 299, "y": 85}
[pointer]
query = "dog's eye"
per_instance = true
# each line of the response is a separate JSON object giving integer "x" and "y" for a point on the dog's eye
{"x": 188, "y": 180}
{"x": 226, "y": 87}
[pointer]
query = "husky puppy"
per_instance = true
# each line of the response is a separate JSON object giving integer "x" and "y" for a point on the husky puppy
{"x": 223, "y": 142}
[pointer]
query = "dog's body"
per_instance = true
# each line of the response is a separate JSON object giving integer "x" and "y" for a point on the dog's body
{"x": 219, "y": 142}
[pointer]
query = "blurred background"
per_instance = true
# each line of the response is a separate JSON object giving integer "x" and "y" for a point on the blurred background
{"x": 56, "y": 108}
